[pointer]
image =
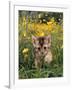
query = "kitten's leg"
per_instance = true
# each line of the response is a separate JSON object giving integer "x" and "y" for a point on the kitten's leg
{"x": 48, "y": 57}
{"x": 37, "y": 63}
{"x": 37, "y": 60}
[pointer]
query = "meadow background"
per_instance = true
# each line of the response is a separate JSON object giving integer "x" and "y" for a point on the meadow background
{"x": 40, "y": 24}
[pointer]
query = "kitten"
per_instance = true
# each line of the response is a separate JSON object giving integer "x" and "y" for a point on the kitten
{"x": 42, "y": 51}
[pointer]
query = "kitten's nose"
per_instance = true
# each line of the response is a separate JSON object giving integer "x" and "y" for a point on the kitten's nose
{"x": 42, "y": 52}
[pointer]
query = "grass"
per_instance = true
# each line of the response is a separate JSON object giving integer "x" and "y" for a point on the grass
{"x": 26, "y": 61}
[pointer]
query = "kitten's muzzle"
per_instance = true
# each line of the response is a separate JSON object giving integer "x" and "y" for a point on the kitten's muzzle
{"x": 42, "y": 53}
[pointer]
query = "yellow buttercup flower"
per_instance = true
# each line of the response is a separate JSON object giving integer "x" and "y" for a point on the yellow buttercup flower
{"x": 40, "y": 33}
{"x": 25, "y": 50}
{"x": 24, "y": 34}
{"x": 49, "y": 23}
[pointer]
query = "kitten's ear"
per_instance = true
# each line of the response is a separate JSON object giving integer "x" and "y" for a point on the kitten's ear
{"x": 34, "y": 40}
{"x": 49, "y": 39}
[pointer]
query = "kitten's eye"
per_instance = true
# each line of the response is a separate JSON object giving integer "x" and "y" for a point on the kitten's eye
{"x": 45, "y": 48}
{"x": 39, "y": 48}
